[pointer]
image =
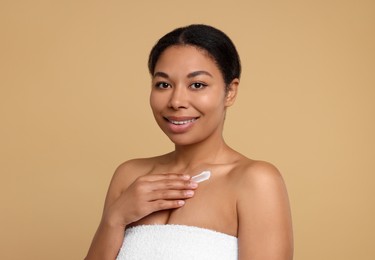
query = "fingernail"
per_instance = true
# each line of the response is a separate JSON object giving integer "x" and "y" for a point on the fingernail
{"x": 189, "y": 193}
{"x": 193, "y": 184}
{"x": 181, "y": 202}
{"x": 186, "y": 177}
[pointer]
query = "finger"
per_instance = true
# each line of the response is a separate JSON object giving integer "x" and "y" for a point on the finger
{"x": 173, "y": 185}
{"x": 166, "y": 204}
{"x": 150, "y": 191}
{"x": 171, "y": 195}
{"x": 165, "y": 176}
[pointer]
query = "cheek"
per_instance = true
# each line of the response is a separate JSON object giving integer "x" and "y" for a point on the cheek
{"x": 153, "y": 101}
{"x": 209, "y": 101}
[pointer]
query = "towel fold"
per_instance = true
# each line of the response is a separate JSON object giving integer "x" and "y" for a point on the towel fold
{"x": 176, "y": 242}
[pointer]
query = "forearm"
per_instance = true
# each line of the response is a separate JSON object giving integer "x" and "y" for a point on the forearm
{"x": 106, "y": 242}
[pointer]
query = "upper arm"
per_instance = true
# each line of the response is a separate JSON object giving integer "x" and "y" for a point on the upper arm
{"x": 265, "y": 230}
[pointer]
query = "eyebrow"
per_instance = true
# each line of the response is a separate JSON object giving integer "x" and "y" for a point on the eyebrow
{"x": 190, "y": 75}
{"x": 197, "y": 73}
{"x": 160, "y": 74}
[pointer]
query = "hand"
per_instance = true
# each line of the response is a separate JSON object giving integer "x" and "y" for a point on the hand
{"x": 148, "y": 194}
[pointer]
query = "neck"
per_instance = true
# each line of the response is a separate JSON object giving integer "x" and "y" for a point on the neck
{"x": 206, "y": 152}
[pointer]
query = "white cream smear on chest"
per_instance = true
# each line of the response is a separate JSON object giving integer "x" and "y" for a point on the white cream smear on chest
{"x": 203, "y": 176}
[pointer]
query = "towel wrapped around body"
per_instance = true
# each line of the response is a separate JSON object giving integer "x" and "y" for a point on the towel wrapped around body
{"x": 176, "y": 242}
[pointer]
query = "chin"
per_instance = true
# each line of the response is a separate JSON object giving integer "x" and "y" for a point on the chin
{"x": 181, "y": 140}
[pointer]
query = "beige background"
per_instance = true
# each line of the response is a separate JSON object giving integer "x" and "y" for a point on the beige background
{"x": 74, "y": 104}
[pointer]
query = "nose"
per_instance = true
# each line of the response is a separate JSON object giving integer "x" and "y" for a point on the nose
{"x": 178, "y": 98}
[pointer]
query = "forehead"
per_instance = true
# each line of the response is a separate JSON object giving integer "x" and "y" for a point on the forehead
{"x": 186, "y": 57}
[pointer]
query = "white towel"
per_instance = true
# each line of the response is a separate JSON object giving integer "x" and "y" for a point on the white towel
{"x": 176, "y": 242}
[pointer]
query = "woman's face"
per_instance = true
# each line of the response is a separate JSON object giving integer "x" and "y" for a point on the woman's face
{"x": 188, "y": 96}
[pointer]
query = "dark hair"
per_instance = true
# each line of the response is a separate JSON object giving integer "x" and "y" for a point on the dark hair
{"x": 216, "y": 43}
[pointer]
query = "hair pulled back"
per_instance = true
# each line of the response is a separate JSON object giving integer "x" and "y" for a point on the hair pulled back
{"x": 216, "y": 43}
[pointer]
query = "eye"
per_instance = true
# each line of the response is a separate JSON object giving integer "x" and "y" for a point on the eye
{"x": 162, "y": 85}
{"x": 198, "y": 85}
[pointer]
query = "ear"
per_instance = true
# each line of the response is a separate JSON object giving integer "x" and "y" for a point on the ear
{"x": 231, "y": 92}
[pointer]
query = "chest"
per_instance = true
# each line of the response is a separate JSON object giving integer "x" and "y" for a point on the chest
{"x": 213, "y": 206}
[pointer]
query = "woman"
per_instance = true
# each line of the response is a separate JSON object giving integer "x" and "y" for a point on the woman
{"x": 154, "y": 209}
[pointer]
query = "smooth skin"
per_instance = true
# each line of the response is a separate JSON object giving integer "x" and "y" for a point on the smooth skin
{"x": 246, "y": 198}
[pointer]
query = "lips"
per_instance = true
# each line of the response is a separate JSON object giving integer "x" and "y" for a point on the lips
{"x": 180, "y": 125}
{"x": 181, "y": 122}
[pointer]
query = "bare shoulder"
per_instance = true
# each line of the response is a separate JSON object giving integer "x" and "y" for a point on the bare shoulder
{"x": 251, "y": 173}
{"x": 134, "y": 168}
{"x": 125, "y": 174}
{"x": 263, "y": 212}
{"x": 259, "y": 183}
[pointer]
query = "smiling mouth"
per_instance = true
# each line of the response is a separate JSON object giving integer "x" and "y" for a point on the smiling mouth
{"x": 181, "y": 122}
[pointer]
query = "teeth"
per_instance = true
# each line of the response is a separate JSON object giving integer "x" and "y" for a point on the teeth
{"x": 182, "y": 122}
